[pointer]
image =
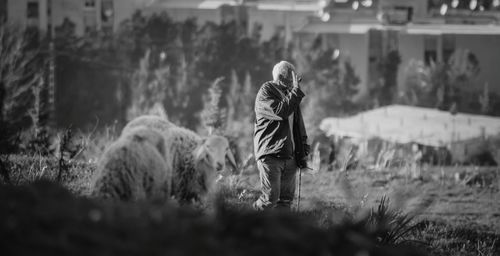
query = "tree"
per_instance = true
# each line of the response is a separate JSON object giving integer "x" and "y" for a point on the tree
{"x": 417, "y": 84}
{"x": 92, "y": 77}
{"x": 241, "y": 100}
{"x": 330, "y": 92}
{"x": 484, "y": 99}
{"x": 21, "y": 73}
{"x": 213, "y": 116}
{"x": 329, "y": 81}
{"x": 148, "y": 89}
{"x": 463, "y": 68}
{"x": 387, "y": 88}
{"x": 440, "y": 85}
{"x": 349, "y": 81}
{"x": 233, "y": 97}
{"x": 247, "y": 97}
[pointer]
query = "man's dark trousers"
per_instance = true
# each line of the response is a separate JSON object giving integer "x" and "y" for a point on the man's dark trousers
{"x": 276, "y": 173}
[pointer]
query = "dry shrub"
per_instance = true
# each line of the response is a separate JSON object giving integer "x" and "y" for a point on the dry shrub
{"x": 94, "y": 144}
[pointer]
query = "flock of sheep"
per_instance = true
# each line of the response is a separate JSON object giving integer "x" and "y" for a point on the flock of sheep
{"x": 155, "y": 159}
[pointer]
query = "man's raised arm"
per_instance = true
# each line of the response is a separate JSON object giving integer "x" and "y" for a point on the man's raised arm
{"x": 273, "y": 107}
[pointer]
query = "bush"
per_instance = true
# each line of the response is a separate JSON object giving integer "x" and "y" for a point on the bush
{"x": 21, "y": 87}
{"x": 444, "y": 85}
{"x": 44, "y": 218}
{"x": 391, "y": 226}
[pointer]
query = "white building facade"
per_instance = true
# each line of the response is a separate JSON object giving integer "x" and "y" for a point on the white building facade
{"x": 423, "y": 30}
{"x": 363, "y": 30}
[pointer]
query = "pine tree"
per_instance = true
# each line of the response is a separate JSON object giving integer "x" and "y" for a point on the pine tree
{"x": 484, "y": 99}
{"x": 21, "y": 71}
{"x": 348, "y": 81}
{"x": 213, "y": 117}
{"x": 148, "y": 88}
{"x": 247, "y": 97}
{"x": 233, "y": 97}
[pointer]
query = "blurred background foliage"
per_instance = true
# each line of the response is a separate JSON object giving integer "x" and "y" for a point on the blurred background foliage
{"x": 107, "y": 79}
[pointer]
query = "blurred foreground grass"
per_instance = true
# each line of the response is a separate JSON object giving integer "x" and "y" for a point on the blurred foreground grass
{"x": 41, "y": 217}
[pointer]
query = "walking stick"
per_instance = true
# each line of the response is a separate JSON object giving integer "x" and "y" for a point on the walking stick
{"x": 316, "y": 162}
{"x": 300, "y": 185}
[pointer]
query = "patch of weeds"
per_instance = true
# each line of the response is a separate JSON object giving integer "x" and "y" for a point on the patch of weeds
{"x": 95, "y": 143}
{"x": 25, "y": 169}
{"x": 62, "y": 158}
{"x": 445, "y": 239}
{"x": 40, "y": 143}
{"x": 234, "y": 191}
{"x": 68, "y": 149}
{"x": 391, "y": 226}
{"x": 5, "y": 169}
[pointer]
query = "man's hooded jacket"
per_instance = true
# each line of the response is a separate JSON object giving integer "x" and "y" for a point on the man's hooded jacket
{"x": 272, "y": 128}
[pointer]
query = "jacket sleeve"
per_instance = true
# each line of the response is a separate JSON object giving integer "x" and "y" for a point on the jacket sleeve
{"x": 303, "y": 149}
{"x": 303, "y": 132}
{"x": 272, "y": 107}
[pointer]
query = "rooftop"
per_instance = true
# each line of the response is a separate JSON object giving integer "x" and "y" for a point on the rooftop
{"x": 423, "y": 29}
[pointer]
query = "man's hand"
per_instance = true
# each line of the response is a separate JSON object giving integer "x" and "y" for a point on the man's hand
{"x": 307, "y": 149}
{"x": 295, "y": 80}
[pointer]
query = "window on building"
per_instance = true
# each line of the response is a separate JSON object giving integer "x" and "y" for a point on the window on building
{"x": 449, "y": 45}
{"x": 375, "y": 53}
{"x": 89, "y": 3}
{"x": 228, "y": 13}
{"x": 430, "y": 49}
{"x": 354, "y": 4}
{"x": 89, "y": 21}
{"x": 3, "y": 11}
{"x": 279, "y": 31}
{"x": 107, "y": 11}
{"x": 32, "y": 11}
{"x": 49, "y": 8}
{"x": 375, "y": 45}
{"x": 407, "y": 12}
{"x": 49, "y": 30}
{"x": 89, "y": 16}
{"x": 397, "y": 14}
{"x": 479, "y": 5}
{"x": 107, "y": 16}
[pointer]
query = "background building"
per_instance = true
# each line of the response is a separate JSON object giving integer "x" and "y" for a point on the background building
{"x": 86, "y": 15}
{"x": 428, "y": 30}
{"x": 363, "y": 31}
{"x": 108, "y": 14}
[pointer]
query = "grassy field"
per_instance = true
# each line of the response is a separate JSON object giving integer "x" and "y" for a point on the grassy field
{"x": 445, "y": 198}
{"x": 454, "y": 218}
{"x": 456, "y": 209}
{"x": 455, "y": 213}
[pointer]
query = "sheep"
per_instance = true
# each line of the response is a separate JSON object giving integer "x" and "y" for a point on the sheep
{"x": 197, "y": 162}
{"x": 163, "y": 126}
{"x": 158, "y": 123}
{"x": 135, "y": 167}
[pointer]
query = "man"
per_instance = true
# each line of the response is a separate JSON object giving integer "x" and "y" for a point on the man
{"x": 280, "y": 140}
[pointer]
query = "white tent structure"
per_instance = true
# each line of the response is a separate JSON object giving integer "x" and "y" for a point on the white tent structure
{"x": 462, "y": 134}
